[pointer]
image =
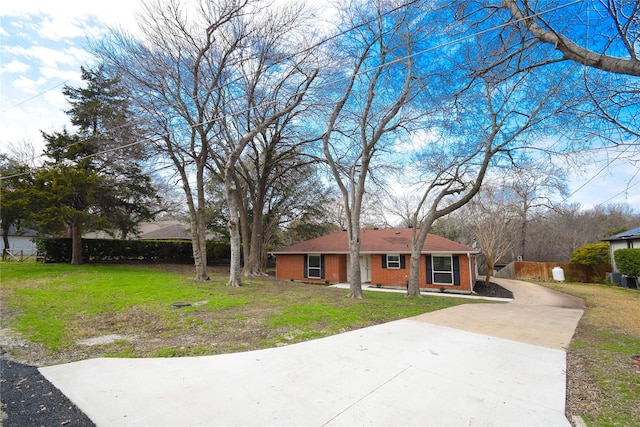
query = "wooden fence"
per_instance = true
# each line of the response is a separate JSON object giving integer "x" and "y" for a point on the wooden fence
{"x": 542, "y": 271}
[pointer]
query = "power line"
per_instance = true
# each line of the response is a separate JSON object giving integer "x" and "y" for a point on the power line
{"x": 318, "y": 44}
{"x": 36, "y": 96}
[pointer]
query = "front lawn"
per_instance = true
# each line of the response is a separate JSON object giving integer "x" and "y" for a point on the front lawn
{"x": 57, "y": 306}
{"x": 602, "y": 384}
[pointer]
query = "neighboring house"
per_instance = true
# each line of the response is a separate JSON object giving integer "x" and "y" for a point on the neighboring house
{"x": 384, "y": 260}
{"x": 20, "y": 239}
{"x": 624, "y": 240}
{"x": 165, "y": 231}
{"x": 157, "y": 230}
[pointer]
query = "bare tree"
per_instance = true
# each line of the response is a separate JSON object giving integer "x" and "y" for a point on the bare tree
{"x": 554, "y": 234}
{"x": 614, "y": 25}
{"x": 275, "y": 70}
{"x": 175, "y": 69}
{"x": 533, "y": 185}
{"x": 494, "y": 113}
{"x": 602, "y": 36}
{"x": 274, "y": 76}
{"x": 372, "y": 105}
{"x": 207, "y": 81}
{"x": 493, "y": 220}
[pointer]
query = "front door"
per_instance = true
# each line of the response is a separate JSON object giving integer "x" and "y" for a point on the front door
{"x": 365, "y": 268}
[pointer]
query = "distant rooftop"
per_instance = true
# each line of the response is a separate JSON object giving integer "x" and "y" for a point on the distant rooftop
{"x": 625, "y": 235}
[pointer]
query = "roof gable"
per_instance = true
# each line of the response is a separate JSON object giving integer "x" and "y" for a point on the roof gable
{"x": 393, "y": 240}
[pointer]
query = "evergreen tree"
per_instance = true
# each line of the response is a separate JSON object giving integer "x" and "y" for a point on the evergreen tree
{"x": 15, "y": 180}
{"x": 94, "y": 178}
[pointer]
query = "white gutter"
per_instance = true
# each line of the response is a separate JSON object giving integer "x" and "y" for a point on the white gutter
{"x": 473, "y": 280}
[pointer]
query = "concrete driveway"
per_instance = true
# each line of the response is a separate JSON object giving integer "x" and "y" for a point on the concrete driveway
{"x": 472, "y": 365}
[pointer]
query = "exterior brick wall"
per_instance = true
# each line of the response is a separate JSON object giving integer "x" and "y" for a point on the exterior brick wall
{"x": 399, "y": 277}
{"x": 291, "y": 267}
{"x": 335, "y": 268}
{"x": 389, "y": 276}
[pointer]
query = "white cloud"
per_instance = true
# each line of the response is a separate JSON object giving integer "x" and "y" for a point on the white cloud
{"x": 49, "y": 55}
{"x": 14, "y": 66}
{"x": 63, "y": 16}
{"x": 55, "y": 29}
{"x": 56, "y": 99}
{"x": 27, "y": 85}
{"x": 417, "y": 141}
{"x": 55, "y": 74}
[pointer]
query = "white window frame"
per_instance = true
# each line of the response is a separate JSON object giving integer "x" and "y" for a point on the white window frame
{"x": 316, "y": 269}
{"x": 395, "y": 263}
{"x": 441, "y": 273}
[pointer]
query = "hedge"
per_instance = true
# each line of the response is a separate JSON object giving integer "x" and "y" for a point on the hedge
{"x": 59, "y": 250}
{"x": 628, "y": 261}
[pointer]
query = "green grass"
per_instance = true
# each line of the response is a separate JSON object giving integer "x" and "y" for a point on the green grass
{"x": 57, "y": 306}
{"x": 607, "y": 336}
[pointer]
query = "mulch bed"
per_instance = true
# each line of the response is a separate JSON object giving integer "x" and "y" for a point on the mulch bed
{"x": 28, "y": 399}
{"x": 493, "y": 290}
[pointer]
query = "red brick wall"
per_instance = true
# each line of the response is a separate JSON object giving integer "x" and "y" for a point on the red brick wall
{"x": 389, "y": 276}
{"x": 292, "y": 267}
{"x": 399, "y": 277}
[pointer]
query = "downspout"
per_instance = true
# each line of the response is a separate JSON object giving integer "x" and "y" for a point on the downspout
{"x": 473, "y": 279}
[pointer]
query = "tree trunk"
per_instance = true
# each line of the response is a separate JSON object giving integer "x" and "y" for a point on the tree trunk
{"x": 201, "y": 231}
{"x": 76, "y": 243}
{"x": 413, "y": 289}
{"x": 253, "y": 265}
{"x": 418, "y": 236}
{"x": 196, "y": 222}
{"x": 355, "y": 282}
{"x": 523, "y": 238}
{"x": 243, "y": 217}
{"x": 199, "y": 255}
{"x": 235, "y": 271}
{"x": 5, "y": 241}
{"x": 353, "y": 234}
{"x": 487, "y": 278}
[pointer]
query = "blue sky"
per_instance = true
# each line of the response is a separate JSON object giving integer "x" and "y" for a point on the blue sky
{"x": 43, "y": 45}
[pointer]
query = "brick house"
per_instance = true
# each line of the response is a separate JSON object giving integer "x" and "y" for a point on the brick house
{"x": 384, "y": 260}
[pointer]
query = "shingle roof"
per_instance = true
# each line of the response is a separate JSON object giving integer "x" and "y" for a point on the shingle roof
{"x": 19, "y": 232}
{"x": 392, "y": 240}
{"x": 169, "y": 232}
{"x": 625, "y": 235}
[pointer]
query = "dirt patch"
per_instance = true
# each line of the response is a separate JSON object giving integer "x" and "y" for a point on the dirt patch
{"x": 106, "y": 339}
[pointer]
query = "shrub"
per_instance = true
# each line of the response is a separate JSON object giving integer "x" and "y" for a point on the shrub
{"x": 59, "y": 250}
{"x": 591, "y": 254}
{"x": 628, "y": 261}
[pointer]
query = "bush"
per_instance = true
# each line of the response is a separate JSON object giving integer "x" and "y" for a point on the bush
{"x": 591, "y": 254}
{"x": 59, "y": 250}
{"x": 628, "y": 261}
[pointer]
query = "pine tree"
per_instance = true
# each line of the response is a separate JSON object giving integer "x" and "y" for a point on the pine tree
{"x": 94, "y": 178}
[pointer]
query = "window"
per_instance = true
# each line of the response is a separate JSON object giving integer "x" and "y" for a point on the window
{"x": 393, "y": 261}
{"x": 314, "y": 266}
{"x": 443, "y": 270}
